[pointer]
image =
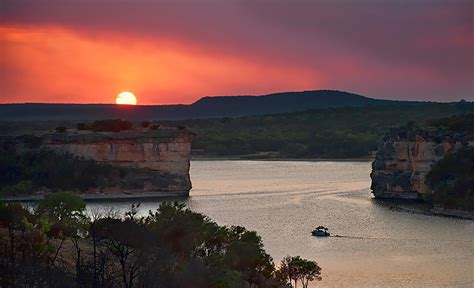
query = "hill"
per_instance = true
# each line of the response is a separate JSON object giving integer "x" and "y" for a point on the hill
{"x": 207, "y": 107}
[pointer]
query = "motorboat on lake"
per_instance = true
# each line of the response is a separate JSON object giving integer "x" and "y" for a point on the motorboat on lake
{"x": 320, "y": 231}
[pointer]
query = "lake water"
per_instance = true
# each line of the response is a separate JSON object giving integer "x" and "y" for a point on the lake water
{"x": 284, "y": 200}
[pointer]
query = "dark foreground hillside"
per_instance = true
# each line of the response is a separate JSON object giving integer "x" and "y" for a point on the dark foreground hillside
{"x": 207, "y": 107}
{"x": 58, "y": 244}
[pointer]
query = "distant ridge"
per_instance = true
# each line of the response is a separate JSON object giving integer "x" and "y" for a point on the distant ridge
{"x": 206, "y": 107}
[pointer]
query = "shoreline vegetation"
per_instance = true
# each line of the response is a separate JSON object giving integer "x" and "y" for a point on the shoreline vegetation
{"x": 25, "y": 174}
{"x": 57, "y": 244}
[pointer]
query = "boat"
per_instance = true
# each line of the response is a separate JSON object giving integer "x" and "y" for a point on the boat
{"x": 320, "y": 231}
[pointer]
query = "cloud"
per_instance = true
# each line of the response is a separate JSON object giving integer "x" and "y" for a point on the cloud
{"x": 404, "y": 49}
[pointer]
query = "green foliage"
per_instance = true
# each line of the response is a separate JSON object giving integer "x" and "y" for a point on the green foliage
{"x": 31, "y": 256}
{"x": 34, "y": 241}
{"x": 455, "y": 123}
{"x": 184, "y": 247}
{"x": 20, "y": 174}
{"x": 451, "y": 180}
{"x": 323, "y": 133}
{"x": 62, "y": 205}
{"x": 23, "y": 187}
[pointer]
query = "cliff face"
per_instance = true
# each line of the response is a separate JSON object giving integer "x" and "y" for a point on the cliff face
{"x": 163, "y": 154}
{"x": 405, "y": 157}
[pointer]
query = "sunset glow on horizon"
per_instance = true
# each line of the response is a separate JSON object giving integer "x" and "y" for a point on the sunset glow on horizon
{"x": 66, "y": 52}
{"x": 162, "y": 72}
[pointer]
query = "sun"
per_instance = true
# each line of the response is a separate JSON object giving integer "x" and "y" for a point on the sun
{"x": 126, "y": 98}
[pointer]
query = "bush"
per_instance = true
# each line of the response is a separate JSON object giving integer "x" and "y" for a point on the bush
{"x": 24, "y": 187}
{"x": 109, "y": 125}
{"x": 451, "y": 180}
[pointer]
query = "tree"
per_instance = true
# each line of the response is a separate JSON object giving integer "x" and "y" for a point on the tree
{"x": 172, "y": 247}
{"x": 68, "y": 211}
{"x": 62, "y": 206}
{"x": 12, "y": 217}
{"x": 287, "y": 272}
{"x": 180, "y": 228}
{"x": 309, "y": 271}
{"x": 451, "y": 181}
{"x": 125, "y": 239}
{"x": 294, "y": 269}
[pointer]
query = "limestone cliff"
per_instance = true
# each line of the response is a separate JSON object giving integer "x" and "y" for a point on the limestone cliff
{"x": 162, "y": 155}
{"x": 406, "y": 156}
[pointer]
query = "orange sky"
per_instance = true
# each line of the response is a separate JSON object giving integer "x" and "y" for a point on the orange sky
{"x": 167, "y": 52}
{"x": 74, "y": 68}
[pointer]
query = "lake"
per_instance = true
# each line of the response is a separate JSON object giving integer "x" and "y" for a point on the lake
{"x": 284, "y": 200}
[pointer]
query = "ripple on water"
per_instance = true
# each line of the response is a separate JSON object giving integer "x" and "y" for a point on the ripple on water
{"x": 284, "y": 200}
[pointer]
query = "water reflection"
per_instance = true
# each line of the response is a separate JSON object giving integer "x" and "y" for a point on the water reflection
{"x": 284, "y": 200}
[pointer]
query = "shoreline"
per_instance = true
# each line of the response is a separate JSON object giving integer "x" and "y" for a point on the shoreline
{"x": 400, "y": 205}
{"x": 243, "y": 158}
{"x": 461, "y": 214}
{"x": 118, "y": 196}
{"x": 423, "y": 208}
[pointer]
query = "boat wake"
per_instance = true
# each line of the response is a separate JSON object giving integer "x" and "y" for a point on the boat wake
{"x": 396, "y": 239}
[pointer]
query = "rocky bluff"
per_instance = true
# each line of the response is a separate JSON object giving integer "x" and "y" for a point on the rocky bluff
{"x": 162, "y": 156}
{"x": 406, "y": 155}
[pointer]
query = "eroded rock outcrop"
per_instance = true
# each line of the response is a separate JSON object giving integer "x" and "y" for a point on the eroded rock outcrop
{"x": 405, "y": 157}
{"x": 162, "y": 156}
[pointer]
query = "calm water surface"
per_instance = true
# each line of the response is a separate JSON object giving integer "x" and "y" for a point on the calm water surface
{"x": 284, "y": 200}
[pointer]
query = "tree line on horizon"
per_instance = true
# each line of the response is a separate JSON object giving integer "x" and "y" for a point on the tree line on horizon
{"x": 323, "y": 133}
